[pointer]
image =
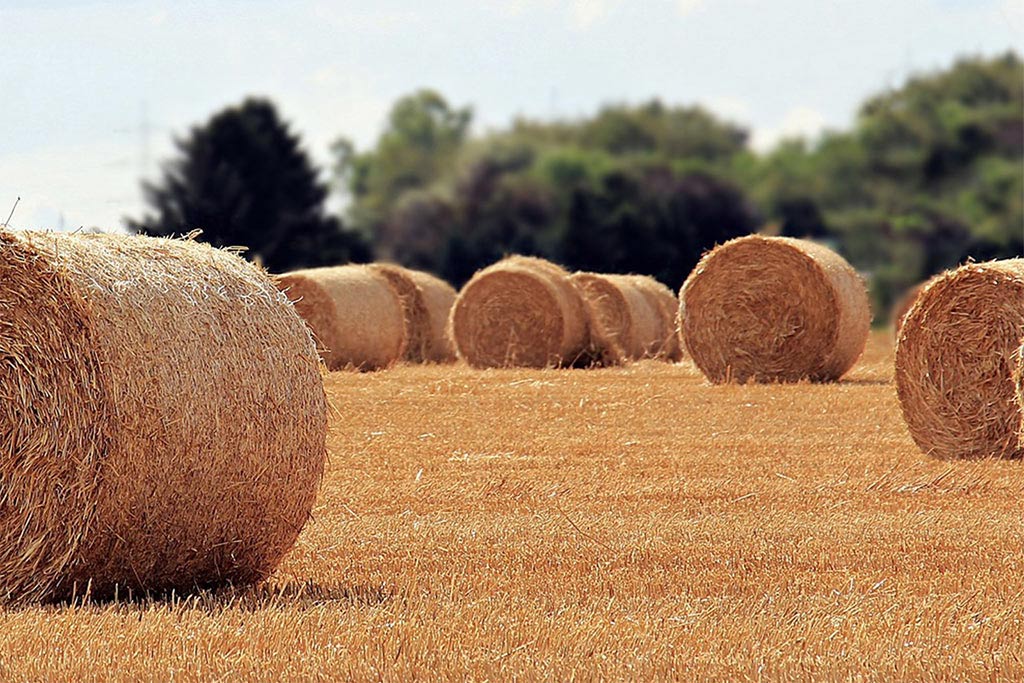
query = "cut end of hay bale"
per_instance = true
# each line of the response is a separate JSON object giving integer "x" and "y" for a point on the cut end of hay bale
{"x": 519, "y": 312}
{"x": 774, "y": 309}
{"x": 958, "y": 363}
{"x": 164, "y": 419}
{"x": 353, "y": 311}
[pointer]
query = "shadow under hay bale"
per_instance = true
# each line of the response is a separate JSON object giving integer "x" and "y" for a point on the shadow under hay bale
{"x": 164, "y": 417}
{"x": 354, "y": 312}
{"x": 520, "y": 312}
{"x": 774, "y": 309}
{"x": 958, "y": 364}
{"x": 426, "y": 303}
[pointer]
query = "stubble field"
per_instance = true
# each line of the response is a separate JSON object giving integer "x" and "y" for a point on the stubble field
{"x": 622, "y": 523}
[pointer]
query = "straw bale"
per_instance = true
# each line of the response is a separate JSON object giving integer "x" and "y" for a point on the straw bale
{"x": 666, "y": 303}
{"x": 520, "y": 312}
{"x": 624, "y": 325}
{"x": 164, "y": 418}
{"x": 354, "y": 312}
{"x": 958, "y": 373}
{"x": 774, "y": 309}
{"x": 426, "y": 303}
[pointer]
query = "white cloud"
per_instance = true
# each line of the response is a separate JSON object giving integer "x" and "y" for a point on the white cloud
{"x": 798, "y": 122}
{"x": 587, "y": 13}
{"x": 735, "y": 109}
{"x": 687, "y": 7}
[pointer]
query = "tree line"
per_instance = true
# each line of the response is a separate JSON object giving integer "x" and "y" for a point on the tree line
{"x": 929, "y": 175}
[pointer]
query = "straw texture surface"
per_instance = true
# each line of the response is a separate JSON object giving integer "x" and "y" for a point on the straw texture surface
{"x": 520, "y": 312}
{"x": 774, "y": 309}
{"x": 163, "y": 412}
{"x": 958, "y": 362}
{"x": 354, "y": 312}
{"x": 662, "y": 300}
{"x": 623, "y": 324}
{"x": 426, "y": 303}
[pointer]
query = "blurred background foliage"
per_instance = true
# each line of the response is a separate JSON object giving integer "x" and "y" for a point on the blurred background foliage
{"x": 930, "y": 174}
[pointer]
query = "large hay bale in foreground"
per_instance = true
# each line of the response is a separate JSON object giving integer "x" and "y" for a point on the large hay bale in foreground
{"x": 163, "y": 417}
{"x": 666, "y": 303}
{"x": 624, "y": 325}
{"x": 774, "y": 309}
{"x": 426, "y": 303}
{"x": 957, "y": 362}
{"x": 354, "y": 312}
{"x": 520, "y": 312}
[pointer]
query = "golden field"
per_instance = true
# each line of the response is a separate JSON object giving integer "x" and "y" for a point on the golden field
{"x": 622, "y": 523}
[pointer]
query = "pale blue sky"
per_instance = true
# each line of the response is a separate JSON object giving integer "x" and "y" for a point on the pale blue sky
{"x": 82, "y": 81}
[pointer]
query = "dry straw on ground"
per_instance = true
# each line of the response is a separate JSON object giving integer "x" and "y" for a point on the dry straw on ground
{"x": 520, "y": 312}
{"x": 957, "y": 362}
{"x": 665, "y": 302}
{"x": 164, "y": 417}
{"x": 774, "y": 309}
{"x": 624, "y": 325}
{"x": 354, "y": 312}
{"x": 426, "y": 302}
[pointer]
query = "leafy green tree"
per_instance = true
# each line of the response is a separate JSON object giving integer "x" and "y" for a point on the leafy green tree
{"x": 419, "y": 145}
{"x": 243, "y": 179}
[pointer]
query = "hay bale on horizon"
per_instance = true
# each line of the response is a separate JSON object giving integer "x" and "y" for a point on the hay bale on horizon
{"x": 774, "y": 309}
{"x": 164, "y": 417}
{"x": 958, "y": 364}
{"x": 353, "y": 311}
{"x": 426, "y": 303}
{"x": 624, "y": 326}
{"x": 520, "y": 312}
{"x": 669, "y": 347}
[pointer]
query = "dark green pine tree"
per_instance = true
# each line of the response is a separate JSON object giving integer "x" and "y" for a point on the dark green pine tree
{"x": 243, "y": 179}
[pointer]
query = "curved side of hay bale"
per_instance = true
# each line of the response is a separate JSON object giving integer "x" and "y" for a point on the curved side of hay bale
{"x": 958, "y": 363}
{"x": 519, "y": 312}
{"x": 164, "y": 417}
{"x": 414, "y": 309}
{"x": 774, "y": 309}
{"x": 666, "y": 304}
{"x": 439, "y": 297}
{"x": 354, "y": 312}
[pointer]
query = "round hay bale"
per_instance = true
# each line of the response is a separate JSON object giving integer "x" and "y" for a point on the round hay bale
{"x": 958, "y": 363}
{"x": 520, "y": 312}
{"x": 774, "y": 309}
{"x": 164, "y": 418}
{"x": 426, "y": 302}
{"x": 623, "y": 324}
{"x": 667, "y": 305}
{"x": 354, "y": 312}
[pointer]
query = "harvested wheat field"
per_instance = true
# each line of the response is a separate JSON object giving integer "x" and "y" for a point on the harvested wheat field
{"x": 631, "y": 522}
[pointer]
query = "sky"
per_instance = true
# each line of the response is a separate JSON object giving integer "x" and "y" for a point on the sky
{"x": 93, "y": 93}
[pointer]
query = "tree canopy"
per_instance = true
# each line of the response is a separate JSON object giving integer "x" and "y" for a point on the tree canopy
{"x": 243, "y": 180}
